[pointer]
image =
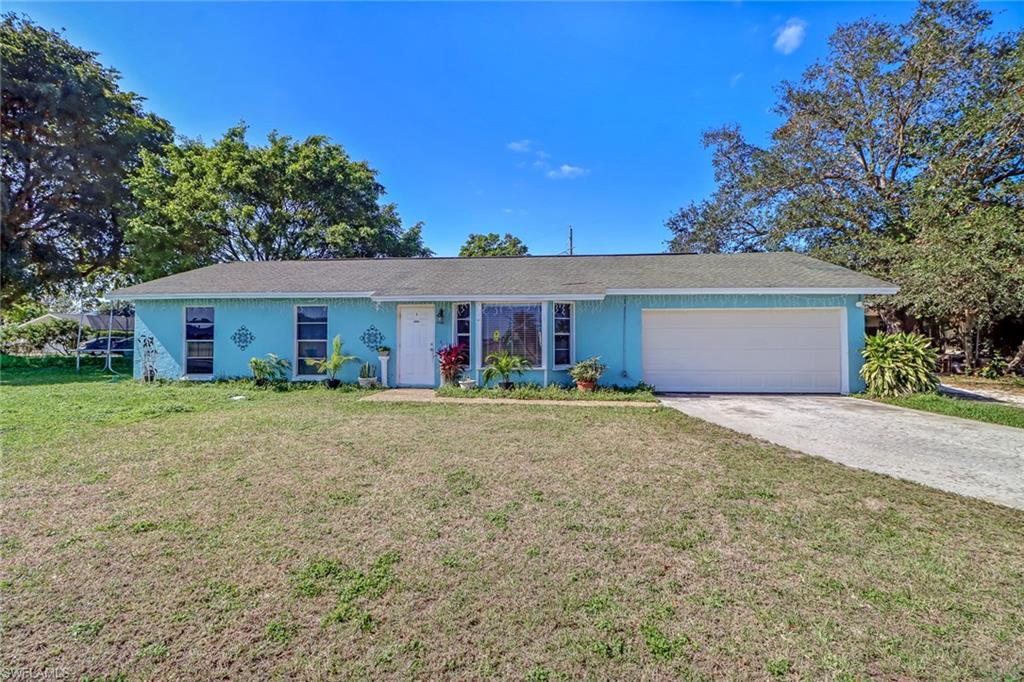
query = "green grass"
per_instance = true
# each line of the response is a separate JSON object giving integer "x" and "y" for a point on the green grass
{"x": 979, "y": 410}
{"x": 551, "y": 392}
{"x": 167, "y": 531}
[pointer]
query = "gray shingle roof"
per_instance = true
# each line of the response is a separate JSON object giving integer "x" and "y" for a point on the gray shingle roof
{"x": 448, "y": 278}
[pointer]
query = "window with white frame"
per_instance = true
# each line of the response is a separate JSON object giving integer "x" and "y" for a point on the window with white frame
{"x": 516, "y": 328}
{"x": 563, "y": 334}
{"x": 310, "y": 338}
{"x": 198, "y": 341}
{"x": 462, "y": 325}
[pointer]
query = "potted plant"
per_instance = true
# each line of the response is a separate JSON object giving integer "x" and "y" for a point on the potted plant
{"x": 467, "y": 383}
{"x": 269, "y": 370}
{"x": 453, "y": 360}
{"x": 503, "y": 365}
{"x": 367, "y": 375}
{"x": 586, "y": 373}
{"x": 383, "y": 351}
{"x": 332, "y": 364}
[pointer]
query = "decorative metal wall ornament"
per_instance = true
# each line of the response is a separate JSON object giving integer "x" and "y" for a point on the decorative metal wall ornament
{"x": 372, "y": 338}
{"x": 243, "y": 337}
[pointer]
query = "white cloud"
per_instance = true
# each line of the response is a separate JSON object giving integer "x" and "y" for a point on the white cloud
{"x": 519, "y": 145}
{"x": 735, "y": 80}
{"x": 540, "y": 163}
{"x": 566, "y": 172}
{"x": 790, "y": 35}
{"x": 541, "y": 154}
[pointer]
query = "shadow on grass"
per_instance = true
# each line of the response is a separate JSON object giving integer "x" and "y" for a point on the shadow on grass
{"x": 59, "y": 369}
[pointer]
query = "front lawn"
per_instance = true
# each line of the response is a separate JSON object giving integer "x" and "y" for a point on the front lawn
{"x": 169, "y": 531}
{"x": 980, "y": 410}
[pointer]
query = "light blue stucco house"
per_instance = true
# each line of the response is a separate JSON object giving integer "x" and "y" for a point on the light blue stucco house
{"x": 765, "y": 322}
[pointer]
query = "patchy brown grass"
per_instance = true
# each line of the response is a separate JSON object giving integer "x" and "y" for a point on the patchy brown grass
{"x": 307, "y": 534}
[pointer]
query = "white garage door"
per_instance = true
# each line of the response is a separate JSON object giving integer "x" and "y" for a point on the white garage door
{"x": 776, "y": 350}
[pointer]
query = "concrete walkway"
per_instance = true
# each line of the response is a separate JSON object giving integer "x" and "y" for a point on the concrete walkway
{"x": 958, "y": 455}
{"x": 427, "y": 395}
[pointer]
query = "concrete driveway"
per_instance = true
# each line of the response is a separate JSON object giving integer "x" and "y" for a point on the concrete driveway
{"x": 961, "y": 456}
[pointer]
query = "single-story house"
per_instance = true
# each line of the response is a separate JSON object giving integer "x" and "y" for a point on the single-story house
{"x": 758, "y": 322}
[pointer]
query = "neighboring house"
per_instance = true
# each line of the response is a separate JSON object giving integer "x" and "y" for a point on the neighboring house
{"x": 764, "y": 322}
{"x": 90, "y": 321}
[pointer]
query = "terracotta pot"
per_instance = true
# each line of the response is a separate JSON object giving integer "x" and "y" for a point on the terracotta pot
{"x": 586, "y": 386}
{"x": 333, "y": 383}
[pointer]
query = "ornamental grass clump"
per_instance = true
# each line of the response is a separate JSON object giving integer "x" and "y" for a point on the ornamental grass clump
{"x": 899, "y": 364}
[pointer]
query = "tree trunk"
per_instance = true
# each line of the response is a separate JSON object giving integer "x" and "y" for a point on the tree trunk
{"x": 1017, "y": 361}
{"x": 966, "y": 342}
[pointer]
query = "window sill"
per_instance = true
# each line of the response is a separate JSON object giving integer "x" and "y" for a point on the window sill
{"x": 561, "y": 368}
{"x": 197, "y": 377}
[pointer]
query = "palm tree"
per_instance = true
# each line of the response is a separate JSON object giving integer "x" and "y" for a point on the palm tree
{"x": 503, "y": 364}
{"x": 332, "y": 365}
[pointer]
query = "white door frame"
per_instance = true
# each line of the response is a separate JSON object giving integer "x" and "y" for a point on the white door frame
{"x": 844, "y": 336}
{"x": 398, "y": 339}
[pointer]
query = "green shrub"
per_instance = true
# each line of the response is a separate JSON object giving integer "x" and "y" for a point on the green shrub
{"x": 899, "y": 364}
{"x": 59, "y": 335}
{"x": 269, "y": 370}
{"x": 995, "y": 368}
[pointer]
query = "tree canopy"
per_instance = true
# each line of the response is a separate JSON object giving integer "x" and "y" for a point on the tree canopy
{"x": 492, "y": 244}
{"x": 69, "y": 137}
{"x": 904, "y": 142}
{"x": 229, "y": 201}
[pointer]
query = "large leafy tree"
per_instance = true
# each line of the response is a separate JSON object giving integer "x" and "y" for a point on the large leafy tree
{"x": 232, "y": 201}
{"x": 69, "y": 135}
{"x": 904, "y": 138}
{"x": 492, "y": 244}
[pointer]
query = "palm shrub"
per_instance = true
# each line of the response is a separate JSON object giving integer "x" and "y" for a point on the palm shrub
{"x": 503, "y": 365}
{"x": 899, "y": 364}
{"x": 333, "y": 363}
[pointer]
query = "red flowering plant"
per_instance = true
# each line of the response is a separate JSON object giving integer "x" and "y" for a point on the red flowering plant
{"x": 453, "y": 359}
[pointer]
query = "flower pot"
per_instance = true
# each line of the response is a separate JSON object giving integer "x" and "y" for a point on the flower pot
{"x": 586, "y": 386}
{"x": 466, "y": 384}
{"x": 333, "y": 383}
{"x": 367, "y": 382}
{"x": 507, "y": 385}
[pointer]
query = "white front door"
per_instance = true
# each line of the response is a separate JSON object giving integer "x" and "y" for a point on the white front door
{"x": 415, "y": 345}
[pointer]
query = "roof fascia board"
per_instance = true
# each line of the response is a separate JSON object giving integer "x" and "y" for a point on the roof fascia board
{"x": 120, "y": 296}
{"x": 465, "y": 298}
{"x": 753, "y": 290}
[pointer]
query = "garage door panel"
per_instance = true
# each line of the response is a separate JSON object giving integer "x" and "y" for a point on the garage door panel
{"x": 707, "y": 359}
{"x": 746, "y": 339}
{"x": 777, "y": 350}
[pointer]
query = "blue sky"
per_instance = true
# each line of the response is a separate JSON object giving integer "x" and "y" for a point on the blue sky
{"x": 513, "y": 117}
